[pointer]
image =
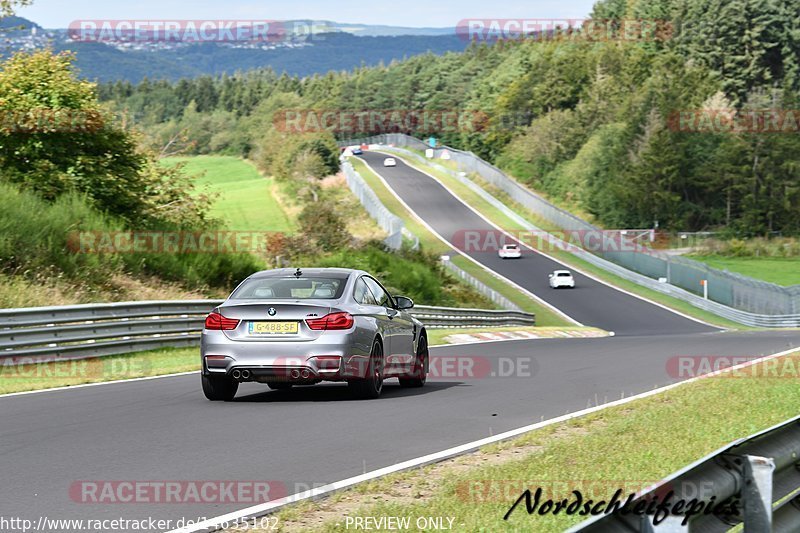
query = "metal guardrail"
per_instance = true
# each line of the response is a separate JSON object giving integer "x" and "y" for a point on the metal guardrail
{"x": 478, "y": 285}
{"x": 391, "y": 224}
{"x": 760, "y": 473}
{"x": 671, "y": 265}
{"x": 94, "y": 330}
{"x": 724, "y": 311}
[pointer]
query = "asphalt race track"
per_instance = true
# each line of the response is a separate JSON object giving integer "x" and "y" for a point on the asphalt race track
{"x": 164, "y": 430}
{"x": 591, "y": 303}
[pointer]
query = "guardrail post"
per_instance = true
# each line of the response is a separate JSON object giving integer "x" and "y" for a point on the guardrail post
{"x": 757, "y": 493}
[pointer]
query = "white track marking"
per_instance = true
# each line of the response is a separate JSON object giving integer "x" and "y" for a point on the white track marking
{"x": 85, "y": 385}
{"x": 450, "y": 245}
{"x": 213, "y": 524}
{"x": 576, "y": 269}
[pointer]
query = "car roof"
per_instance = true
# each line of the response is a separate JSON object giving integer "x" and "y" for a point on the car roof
{"x": 336, "y": 273}
{"x": 511, "y": 246}
{"x": 562, "y": 272}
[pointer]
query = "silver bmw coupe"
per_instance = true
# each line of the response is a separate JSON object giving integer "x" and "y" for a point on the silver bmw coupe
{"x": 289, "y": 327}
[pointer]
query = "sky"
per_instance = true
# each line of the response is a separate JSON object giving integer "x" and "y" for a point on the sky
{"x": 412, "y": 13}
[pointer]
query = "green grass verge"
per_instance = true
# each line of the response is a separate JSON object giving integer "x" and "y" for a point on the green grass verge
{"x": 544, "y": 316}
{"x": 781, "y": 270}
{"x": 54, "y": 374}
{"x": 566, "y": 206}
{"x": 504, "y": 222}
{"x": 246, "y": 199}
{"x": 629, "y": 447}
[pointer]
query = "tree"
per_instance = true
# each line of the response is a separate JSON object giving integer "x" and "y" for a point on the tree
{"x": 8, "y": 7}
{"x": 56, "y": 138}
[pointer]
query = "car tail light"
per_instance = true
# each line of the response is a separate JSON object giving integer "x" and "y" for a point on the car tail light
{"x": 333, "y": 321}
{"x": 216, "y": 321}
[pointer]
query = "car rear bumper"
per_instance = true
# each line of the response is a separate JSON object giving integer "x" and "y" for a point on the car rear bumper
{"x": 275, "y": 360}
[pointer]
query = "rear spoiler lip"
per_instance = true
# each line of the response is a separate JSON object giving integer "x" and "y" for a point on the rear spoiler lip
{"x": 299, "y": 303}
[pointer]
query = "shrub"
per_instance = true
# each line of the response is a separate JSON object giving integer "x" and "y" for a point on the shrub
{"x": 35, "y": 240}
{"x": 320, "y": 223}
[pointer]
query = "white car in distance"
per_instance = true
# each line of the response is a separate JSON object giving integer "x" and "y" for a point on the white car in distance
{"x": 389, "y": 162}
{"x": 562, "y": 278}
{"x": 510, "y": 251}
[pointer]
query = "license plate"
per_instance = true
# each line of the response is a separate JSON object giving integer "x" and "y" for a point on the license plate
{"x": 273, "y": 328}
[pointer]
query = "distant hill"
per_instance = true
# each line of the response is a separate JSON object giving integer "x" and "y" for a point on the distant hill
{"x": 17, "y": 23}
{"x": 347, "y": 46}
{"x": 337, "y": 51}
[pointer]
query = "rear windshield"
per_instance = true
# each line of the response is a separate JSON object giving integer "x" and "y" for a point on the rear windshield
{"x": 564, "y": 274}
{"x": 511, "y": 246}
{"x": 290, "y": 288}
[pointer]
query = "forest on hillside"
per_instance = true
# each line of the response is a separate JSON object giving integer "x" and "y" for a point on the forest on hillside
{"x": 598, "y": 124}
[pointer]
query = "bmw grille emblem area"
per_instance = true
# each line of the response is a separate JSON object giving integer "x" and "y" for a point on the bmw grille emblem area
{"x": 271, "y": 311}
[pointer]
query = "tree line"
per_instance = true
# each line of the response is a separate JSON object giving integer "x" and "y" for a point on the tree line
{"x": 629, "y": 131}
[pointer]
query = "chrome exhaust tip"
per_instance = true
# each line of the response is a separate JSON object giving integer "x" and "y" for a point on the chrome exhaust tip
{"x": 305, "y": 374}
{"x": 295, "y": 374}
{"x": 245, "y": 374}
{"x": 236, "y": 374}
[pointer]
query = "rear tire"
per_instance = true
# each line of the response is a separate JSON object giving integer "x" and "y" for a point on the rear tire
{"x": 419, "y": 375}
{"x": 219, "y": 388}
{"x": 370, "y": 388}
{"x": 279, "y": 385}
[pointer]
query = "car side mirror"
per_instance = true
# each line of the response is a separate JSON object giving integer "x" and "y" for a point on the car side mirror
{"x": 549, "y": 275}
{"x": 403, "y": 303}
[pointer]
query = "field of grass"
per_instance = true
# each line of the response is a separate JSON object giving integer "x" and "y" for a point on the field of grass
{"x": 544, "y": 315}
{"x": 504, "y": 222}
{"x": 627, "y": 447}
{"x": 247, "y": 201}
{"x": 781, "y": 270}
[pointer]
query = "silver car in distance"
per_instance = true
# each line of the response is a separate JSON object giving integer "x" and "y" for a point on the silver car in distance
{"x": 290, "y": 327}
